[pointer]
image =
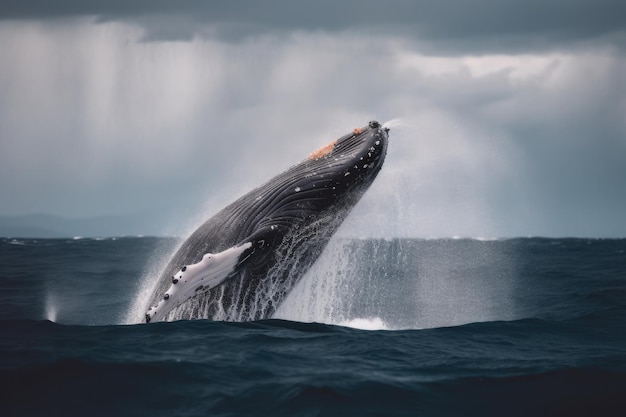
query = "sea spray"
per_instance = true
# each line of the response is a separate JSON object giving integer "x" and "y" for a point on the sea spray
{"x": 405, "y": 284}
{"x": 148, "y": 282}
{"x": 51, "y": 307}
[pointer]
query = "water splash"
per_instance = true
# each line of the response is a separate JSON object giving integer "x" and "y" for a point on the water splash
{"x": 405, "y": 284}
{"x": 51, "y": 308}
{"x": 148, "y": 282}
{"x": 342, "y": 287}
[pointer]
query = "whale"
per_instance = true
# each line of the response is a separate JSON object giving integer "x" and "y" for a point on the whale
{"x": 241, "y": 263}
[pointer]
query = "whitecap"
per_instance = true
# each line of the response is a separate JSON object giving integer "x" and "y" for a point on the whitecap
{"x": 371, "y": 323}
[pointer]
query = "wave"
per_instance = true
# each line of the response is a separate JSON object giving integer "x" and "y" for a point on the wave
{"x": 453, "y": 327}
{"x": 521, "y": 367}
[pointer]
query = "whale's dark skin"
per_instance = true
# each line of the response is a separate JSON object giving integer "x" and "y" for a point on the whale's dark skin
{"x": 266, "y": 240}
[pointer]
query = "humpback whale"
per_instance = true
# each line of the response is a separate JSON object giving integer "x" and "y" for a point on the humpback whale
{"x": 241, "y": 263}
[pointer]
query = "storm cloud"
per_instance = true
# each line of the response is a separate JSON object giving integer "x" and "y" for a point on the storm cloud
{"x": 479, "y": 24}
{"x": 508, "y": 118}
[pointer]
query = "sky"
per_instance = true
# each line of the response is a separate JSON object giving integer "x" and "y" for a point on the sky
{"x": 508, "y": 118}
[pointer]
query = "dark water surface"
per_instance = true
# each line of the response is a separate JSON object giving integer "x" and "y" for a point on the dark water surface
{"x": 508, "y": 327}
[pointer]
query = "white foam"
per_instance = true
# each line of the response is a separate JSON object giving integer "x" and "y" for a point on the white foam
{"x": 372, "y": 323}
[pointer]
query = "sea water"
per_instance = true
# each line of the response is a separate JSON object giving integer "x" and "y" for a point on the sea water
{"x": 439, "y": 327}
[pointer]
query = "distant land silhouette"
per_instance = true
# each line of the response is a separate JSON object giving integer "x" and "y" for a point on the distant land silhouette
{"x": 51, "y": 226}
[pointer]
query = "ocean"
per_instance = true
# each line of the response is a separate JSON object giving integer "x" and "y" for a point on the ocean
{"x": 400, "y": 327}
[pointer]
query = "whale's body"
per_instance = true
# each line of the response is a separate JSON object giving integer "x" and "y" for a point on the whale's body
{"x": 240, "y": 264}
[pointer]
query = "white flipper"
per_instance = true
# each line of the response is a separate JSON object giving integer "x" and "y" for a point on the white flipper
{"x": 195, "y": 279}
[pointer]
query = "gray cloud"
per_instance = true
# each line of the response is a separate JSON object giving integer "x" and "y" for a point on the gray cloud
{"x": 451, "y": 26}
{"x": 96, "y": 121}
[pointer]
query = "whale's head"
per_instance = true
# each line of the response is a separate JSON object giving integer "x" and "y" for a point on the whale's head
{"x": 299, "y": 208}
{"x": 351, "y": 162}
{"x": 334, "y": 176}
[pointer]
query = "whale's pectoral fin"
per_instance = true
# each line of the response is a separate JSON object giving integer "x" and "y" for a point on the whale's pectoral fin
{"x": 213, "y": 270}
